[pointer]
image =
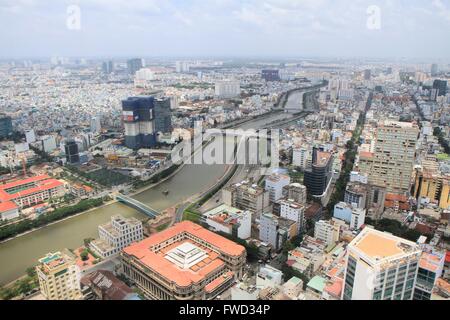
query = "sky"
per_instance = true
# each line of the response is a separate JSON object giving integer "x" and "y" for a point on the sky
{"x": 267, "y": 28}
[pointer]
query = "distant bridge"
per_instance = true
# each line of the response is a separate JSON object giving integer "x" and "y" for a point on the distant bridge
{"x": 152, "y": 213}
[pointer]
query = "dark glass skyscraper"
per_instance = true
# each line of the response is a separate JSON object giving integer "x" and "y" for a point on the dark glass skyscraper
{"x": 319, "y": 174}
{"x": 139, "y": 121}
{"x": 72, "y": 154}
{"x": 441, "y": 86}
{"x": 6, "y": 128}
{"x": 163, "y": 115}
{"x": 134, "y": 65}
{"x": 270, "y": 75}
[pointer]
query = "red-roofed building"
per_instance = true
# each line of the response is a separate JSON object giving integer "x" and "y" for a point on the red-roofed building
{"x": 8, "y": 210}
{"x": 30, "y": 191}
{"x": 184, "y": 262}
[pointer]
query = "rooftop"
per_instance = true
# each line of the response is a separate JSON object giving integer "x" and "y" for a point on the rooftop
{"x": 377, "y": 245}
{"x": 186, "y": 260}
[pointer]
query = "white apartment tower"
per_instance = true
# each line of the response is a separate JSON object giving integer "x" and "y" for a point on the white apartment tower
{"x": 380, "y": 266}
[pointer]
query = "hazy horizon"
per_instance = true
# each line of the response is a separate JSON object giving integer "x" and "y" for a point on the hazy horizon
{"x": 289, "y": 29}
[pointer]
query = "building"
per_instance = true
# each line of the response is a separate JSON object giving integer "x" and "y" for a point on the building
{"x": 440, "y": 86}
{"x": 227, "y": 89}
{"x": 380, "y": 266}
{"x": 431, "y": 266}
{"x": 301, "y": 157}
{"x": 296, "y": 192}
{"x": 139, "y": 121}
{"x": 96, "y": 126}
{"x": 308, "y": 257}
{"x": 367, "y": 74}
{"x": 72, "y": 153}
{"x": 104, "y": 285}
{"x": 163, "y": 115}
{"x": 117, "y": 234}
{"x": 8, "y": 210}
{"x": 246, "y": 197}
{"x": 270, "y": 75}
{"x": 318, "y": 177}
{"x": 294, "y": 211}
{"x": 59, "y": 276}
{"x": 354, "y": 216}
{"x": 107, "y": 67}
{"x": 356, "y": 194}
{"x": 184, "y": 262}
{"x": 6, "y": 128}
{"x": 48, "y": 143}
{"x": 182, "y": 66}
{"x": 434, "y": 70}
{"x": 229, "y": 220}
{"x": 275, "y": 184}
{"x": 293, "y": 287}
{"x": 31, "y": 191}
{"x": 275, "y": 230}
{"x": 391, "y": 165}
{"x": 30, "y": 136}
{"x": 133, "y": 65}
{"x": 327, "y": 231}
{"x": 268, "y": 276}
{"x": 432, "y": 186}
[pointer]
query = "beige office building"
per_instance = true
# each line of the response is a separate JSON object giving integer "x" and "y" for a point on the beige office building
{"x": 59, "y": 276}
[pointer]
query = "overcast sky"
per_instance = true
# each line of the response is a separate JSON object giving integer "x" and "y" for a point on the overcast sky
{"x": 300, "y": 28}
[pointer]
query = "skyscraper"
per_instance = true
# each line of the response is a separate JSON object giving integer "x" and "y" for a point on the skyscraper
{"x": 163, "y": 115}
{"x": 367, "y": 74}
{"x": 108, "y": 67}
{"x": 391, "y": 164}
{"x": 139, "y": 121}
{"x": 318, "y": 176}
{"x": 6, "y": 128}
{"x": 440, "y": 86}
{"x": 134, "y": 65}
{"x": 434, "y": 70}
{"x": 380, "y": 266}
{"x": 72, "y": 153}
{"x": 270, "y": 75}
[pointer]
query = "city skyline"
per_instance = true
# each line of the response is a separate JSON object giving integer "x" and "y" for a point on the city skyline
{"x": 273, "y": 28}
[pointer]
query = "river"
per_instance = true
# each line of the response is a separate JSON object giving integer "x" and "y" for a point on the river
{"x": 20, "y": 253}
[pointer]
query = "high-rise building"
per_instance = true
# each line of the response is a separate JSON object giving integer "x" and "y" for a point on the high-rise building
{"x": 163, "y": 115}
{"x": 96, "y": 125}
{"x": 327, "y": 231}
{"x": 301, "y": 157}
{"x": 184, "y": 262}
{"x": 139, "y": 121}
{"x": 391, "y": 165}
{"x": 117, "y": 234}
{"x": 318, "y": 176}
{"x": 246, "y": 197}
{"x": 354, "y": 216}
{"x": 182, "y": 66}
{"x": 434, "y": 70}
{"x": 296, "y": 192}
{"x": 431, "y": 267}
{"x": 6, "y": 128}
{"x": 59, "y": 276}
{"x": 276, "y": 230}
{"x": 440, "y": 86}
{"x": 133, "y": 65}
{"x": 227, "y": 89}
{"x": 294, "y": 211}
{"x": 275, "y": 184}
{"x": 356, "y": 194}
{"x": 380, "y": 266}
{"x": 72, "y": 153}
{"x": 270, "y": 75}
{"x": 367, "y": 74}
{"x": 107, "y": 67}
{"x": 30, "y": 136}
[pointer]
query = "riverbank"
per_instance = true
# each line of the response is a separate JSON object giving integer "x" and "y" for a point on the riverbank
{"x": 105, "y": 204}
